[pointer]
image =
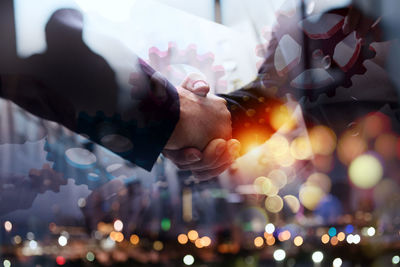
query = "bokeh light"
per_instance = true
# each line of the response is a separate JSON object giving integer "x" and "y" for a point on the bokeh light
{"x": 62, "y": 241}
{"x": 8, "y": 226}
{"x": 165, "y": 224}
{"x": 134, "y": 239}
{"x": 198, "y": 243}
{"x": 188, "y": 260}
{"x": 277, "y": 145}
{"x": 350, "y": 238}
{"x": 317, "y": 257}
{"x": 334, "y": 241}
{"x": 158, "y": 245}
{"x": 292, "y": 202}
{"x": 365, "y": 171}
{"x": 269, "y": 188}
{"x": 320, "y": 180}
{"x": 17, "y": 239}
{"x": 356, "y": 239}
{"x": 300, "y": 148}
{"x": 258, "y": 241}
{"x": 341, "y": 236}
{"x": 7, "y": 263}
{"x": 375, "y": 123}
{"x": 269, "y": 228}
{"x": 325, "y": 238}
{"x": 371, "y": 231}
{"x": 337, "y": 262}
{"x": 274, "y": 204}
{"x": 282, "y": 118}
{"x": 270, "y": 240}
{"x": 322, "y": 140}
{"x": 279, "y": 255}
{"x": 284, "y": 235}
{"x": 298, "y": 241}
{"x": 310, "y": 196}
{"x": 205, "y": 241}
{"x": 332, "y": 231}
{"x": 60, "y": 260}
{"x": 349, "y": 147}
{"x": 193, "y": 235}
{"x": 386, "y": 145}
{"x": 116, "y": 236}
{"x": 182, "y": 239}
{"x": 90, "y": 256}
{"x": 278, "y": 178}
{"x": 118, "y": 225}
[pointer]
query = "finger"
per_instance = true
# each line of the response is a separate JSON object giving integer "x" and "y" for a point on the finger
{"x": 196, "y": 83}
{"x": 228, "y": 157}
{"x": 211, "y": 161}
{"x": 183, "y": 156}
{"x": 206, "y": 175}
{"x": 213, "y": 151}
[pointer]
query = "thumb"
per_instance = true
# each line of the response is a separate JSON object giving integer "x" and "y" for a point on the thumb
{"x": 196, "y": 83}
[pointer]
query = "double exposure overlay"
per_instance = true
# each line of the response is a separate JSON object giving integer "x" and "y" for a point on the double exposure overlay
{"x": 199, "y": 133}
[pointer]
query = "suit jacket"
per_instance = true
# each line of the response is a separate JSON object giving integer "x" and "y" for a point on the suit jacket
{"x": 72, "y": 85}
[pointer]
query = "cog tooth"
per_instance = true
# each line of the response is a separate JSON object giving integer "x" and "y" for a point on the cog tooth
{"x": 206, "y": 60}
{"x": 156, "y": 54}
{"x": 260, "y": 50}
{"x": 190, "y": 55}
{"x": 363, "y": 69}
{"x": 219, "y": 71}
{"x": 172, "y": 46}
{"x": 187, "y": 56}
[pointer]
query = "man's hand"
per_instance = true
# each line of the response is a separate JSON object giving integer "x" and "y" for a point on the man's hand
{"x": 219, "y": 153}
{"x": 201, "y": 120}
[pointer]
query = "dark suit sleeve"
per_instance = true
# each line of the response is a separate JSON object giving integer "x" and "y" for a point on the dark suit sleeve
{"x": 136, "y": 127}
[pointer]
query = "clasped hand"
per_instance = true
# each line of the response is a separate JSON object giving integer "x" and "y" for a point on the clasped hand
{"x": 201, "y": 141}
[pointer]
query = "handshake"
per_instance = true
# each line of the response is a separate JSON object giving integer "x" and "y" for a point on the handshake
{"x": 201, "y": 141}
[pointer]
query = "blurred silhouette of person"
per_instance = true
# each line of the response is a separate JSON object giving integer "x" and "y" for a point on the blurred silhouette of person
{"x": 71, "y": 68}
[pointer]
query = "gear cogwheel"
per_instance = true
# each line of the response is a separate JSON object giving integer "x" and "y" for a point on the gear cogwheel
{"x": 87, "y": 163}
{"x": 311, "y": 56}
{"x": 175, "y": 64}
{"x": 46, "y": 179}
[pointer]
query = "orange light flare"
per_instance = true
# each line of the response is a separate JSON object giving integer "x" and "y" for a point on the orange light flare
{"x": 282, "y": 118}
{"x": 252, "y": 138}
